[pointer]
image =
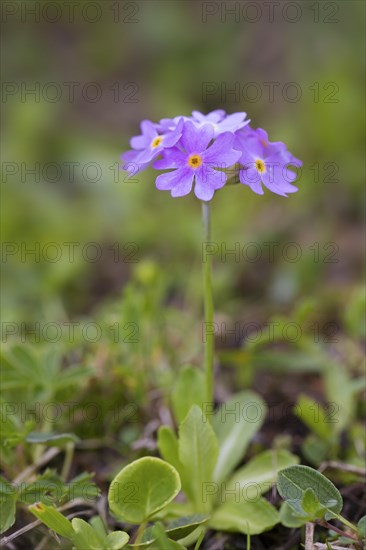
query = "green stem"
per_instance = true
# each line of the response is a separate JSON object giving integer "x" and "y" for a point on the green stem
{"x": 69, "y": 455}
{"x": 139, "y": 533}
{"x": 209, "y": 336}
{"x": 345, "y": 522}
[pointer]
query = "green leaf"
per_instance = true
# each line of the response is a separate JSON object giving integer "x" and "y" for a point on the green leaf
{"x": 235, "y": 424}
{"x": 198, "y": 451}
{"x": 51, "y": 439}
{"x": 245, "y": 517}
{"x": 143, "y": 488}
{"x": 182, "y": 527}
{"x": 85, "y": 536}
{"x": 163, "y": 541}
{"x": 146, "y": 541}
{"x": 176, "y": 530}
{"x": 354, "y": 313}
{"x": 97, "y": 523}
{"x": 339, "y": 391}
{"x": 361, "y": 526}
{"x": 8, "y": 498}
{"x": 314, "y": 449}
{"x": 288, "y": 518}
{"x": 53, "y": 519}
{"x": 295, "y": 480}
{"x": 310, "y": 503}
{"x": 313, "y": 415}
{"x": 49, "y": 488}
{"x": 201, "y": 536}
{"x": 168, "y": 447}
{"x": 117, "y": 540}
{"x": 260, "y": 473}
{"x": 188, "y": 391}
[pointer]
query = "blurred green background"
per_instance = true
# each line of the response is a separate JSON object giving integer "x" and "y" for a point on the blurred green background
{"x": 120, "y": 261}
{"x": 153, "y": 59}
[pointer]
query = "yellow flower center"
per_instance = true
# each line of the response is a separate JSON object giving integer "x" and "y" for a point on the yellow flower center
{"x": 194, "y": 161}
{"x": 260, "y": 166}
{"x": 156, "y": 141}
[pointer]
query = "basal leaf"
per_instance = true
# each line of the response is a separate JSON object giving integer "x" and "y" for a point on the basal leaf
{"x": 85, "y": 536}
{"x": 168, "y": 447}
{"x": 198, "y": 451}
{"x": 182, "y": 527}
{"x": 143, "y": 488}
{"x": 235, "y": 424}
{"x": 259, "y": 474}
{"x": 117, "y": 540}
{"x": 53, "y": 519}
{"x": 245, "y": 517}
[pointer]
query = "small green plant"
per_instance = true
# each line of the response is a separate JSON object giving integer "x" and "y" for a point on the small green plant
{"x": 82, "y": 534}
{"x": 137, "y": 495}
{"x": 206, "y": 455}
{"x": 310, "y": 497}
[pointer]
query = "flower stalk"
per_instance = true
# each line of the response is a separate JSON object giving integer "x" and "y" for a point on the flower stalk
{"x": 209, "y": 337}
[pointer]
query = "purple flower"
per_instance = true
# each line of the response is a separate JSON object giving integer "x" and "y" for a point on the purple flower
{"x": 197, "y": 148}
{"x": 149, "y": 145}
{"x": 193, "y": 161}
{"x": 220, "y": 121}
{"x": 265, "y": 162}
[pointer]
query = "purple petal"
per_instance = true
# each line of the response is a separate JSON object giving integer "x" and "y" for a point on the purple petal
{"x": 150, "y": 154}
{"x": 172, "y": 158}
{"x": 220, "y": 153}
{"x": 251, "y": 177}
{"x": 214, "y": 117}
{"x": 207, "y": 181}
{"x": 196, "y": 140}
{"x": 250, "y": 147}
{"x": 130, "y": 156}
{"x": 171, "y": 138}
{"x": 232, "y": 123}
{"x": 169, "y": 124}
{"x": 148, "y": 129}
{"x": 140, "y": 142}
{"x": 179, "y": 182}
{"x": 274, "y": 181}
{"x": 185, "y": 184}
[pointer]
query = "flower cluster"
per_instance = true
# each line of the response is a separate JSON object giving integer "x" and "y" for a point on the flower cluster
{"x": 202, "y": 151}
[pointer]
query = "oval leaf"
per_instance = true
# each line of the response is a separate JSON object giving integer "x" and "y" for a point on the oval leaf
{"x": 259, "y": 474}
{"x": 245, "y": 517}
{"x": 143, "y": 488}
{"x": 117, "y": 540}
{"x": 294, "y": 481}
